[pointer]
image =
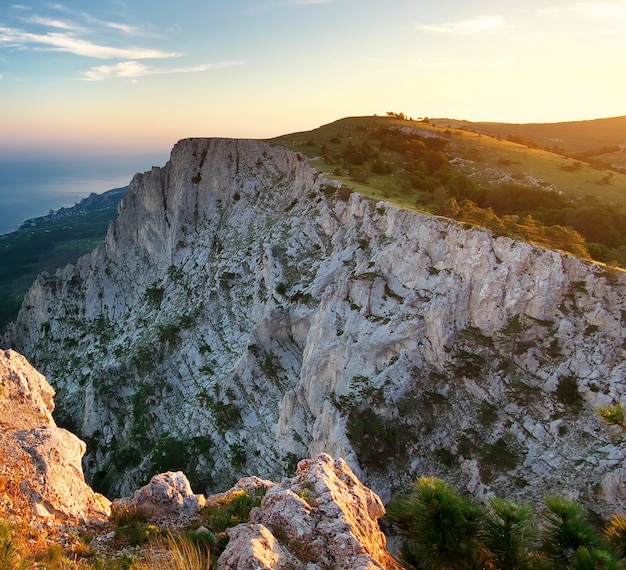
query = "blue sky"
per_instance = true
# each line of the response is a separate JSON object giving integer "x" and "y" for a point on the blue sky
{"x": 135, "y": 76}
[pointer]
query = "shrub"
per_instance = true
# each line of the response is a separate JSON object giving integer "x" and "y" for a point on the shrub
{"x": 443, "y": 530}
{"x": 507, "y": 535}
{"x": 613, "y": 415}
{"x": 439, "y": 525}
{"x": 154, "y": 295}
{"x": 566, "y": 532}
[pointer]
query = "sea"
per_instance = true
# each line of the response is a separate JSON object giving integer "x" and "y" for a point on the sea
{"x": 32, "y": 187}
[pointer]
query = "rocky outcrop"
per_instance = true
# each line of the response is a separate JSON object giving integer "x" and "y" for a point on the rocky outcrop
{"x": 252, "y": 313}
{"x": 167, "y": 496}
{"x": 41, "y": 476}
{"x": 322, "y": 518}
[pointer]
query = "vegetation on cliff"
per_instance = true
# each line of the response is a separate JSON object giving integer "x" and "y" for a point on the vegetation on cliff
{"x": 508, "y": 186}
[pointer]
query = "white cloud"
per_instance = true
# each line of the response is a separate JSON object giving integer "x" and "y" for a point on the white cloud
{"x": 59, "y": 7}
{"x": 127, "y": 29}
{"x": 485, "y": 23}
{"x": 77, "y": 46}
{"x": 78, "y": 33}
{"x": 135, "y": 69}
{"x": 123, "y": 69}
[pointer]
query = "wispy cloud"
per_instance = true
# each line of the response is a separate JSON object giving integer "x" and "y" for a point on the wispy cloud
{"x": 67, "y": 42}
{"x": 53, "y": 23}
{"x": 78, "y": 33}
{"x": 127, "y": 29}
{"x": 59, "y": 7}
{"x": 136, "y": 69}
{"x": 480, "y": 24}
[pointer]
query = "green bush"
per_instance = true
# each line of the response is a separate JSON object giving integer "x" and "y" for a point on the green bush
{"x": 440, "y": 527}
{"x": 444, "y": 531}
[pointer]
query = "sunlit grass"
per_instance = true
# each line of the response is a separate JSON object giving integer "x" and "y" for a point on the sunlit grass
{"x": 487, "y": 155}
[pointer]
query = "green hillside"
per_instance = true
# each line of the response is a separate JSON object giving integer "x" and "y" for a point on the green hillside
{"x": 599, "y": 139}
{"x": 514, "y": 190}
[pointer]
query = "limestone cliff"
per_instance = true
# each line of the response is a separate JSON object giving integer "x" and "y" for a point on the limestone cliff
{"x": 244, "y": 312}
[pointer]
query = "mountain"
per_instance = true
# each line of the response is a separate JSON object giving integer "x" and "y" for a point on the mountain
{"x": 49, "y": 242}
{"x": 246, "y": 311}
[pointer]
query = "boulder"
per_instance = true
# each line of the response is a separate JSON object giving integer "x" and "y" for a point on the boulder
{"x": 167, "y": 495}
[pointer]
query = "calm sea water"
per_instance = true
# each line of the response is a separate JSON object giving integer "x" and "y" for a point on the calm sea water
{"x": 32, "y": 187}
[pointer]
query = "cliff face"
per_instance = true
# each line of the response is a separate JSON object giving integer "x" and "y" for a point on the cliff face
{"x": 244, "y": 313}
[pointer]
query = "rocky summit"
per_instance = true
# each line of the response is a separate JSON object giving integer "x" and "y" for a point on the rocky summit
{"x": 321, "y": 518}
{"x": 245, "y": 312}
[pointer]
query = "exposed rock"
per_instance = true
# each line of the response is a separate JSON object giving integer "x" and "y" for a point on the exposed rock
{"x": 251, "y": 316}
{"x": 167, "y": 495}
{"x": 254, "y": 547}
{"x": 41, "y": 474}
{"x": 322, "y": 518}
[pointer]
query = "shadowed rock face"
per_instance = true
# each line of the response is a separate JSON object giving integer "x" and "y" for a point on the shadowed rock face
{"x": 241, "y": 315}
{"x": 41, "y": 473}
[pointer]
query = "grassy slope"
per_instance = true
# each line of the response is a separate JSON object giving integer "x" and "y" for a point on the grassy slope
{"x": 590, "y": 219}
{"x": 489, "y": 159}
{"x": 573, "y": 137}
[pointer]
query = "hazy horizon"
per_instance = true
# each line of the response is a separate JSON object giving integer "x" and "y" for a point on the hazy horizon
{"x": 137, "y": 77}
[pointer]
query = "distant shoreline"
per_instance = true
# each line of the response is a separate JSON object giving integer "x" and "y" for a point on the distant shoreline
{"x": 32, "y": 187}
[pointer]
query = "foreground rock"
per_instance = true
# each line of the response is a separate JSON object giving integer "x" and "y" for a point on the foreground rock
{"x": 41, "y": 476}
{"x": 322, "y": 518}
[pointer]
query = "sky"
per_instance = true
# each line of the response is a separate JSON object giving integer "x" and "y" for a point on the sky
{"x": 113, "y": 76}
